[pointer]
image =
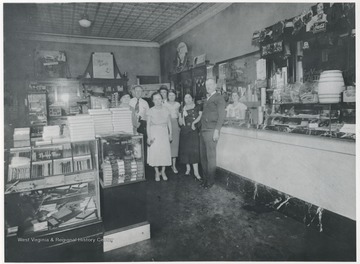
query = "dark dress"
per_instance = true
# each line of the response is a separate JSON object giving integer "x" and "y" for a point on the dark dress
{"x": 189, "y": 147}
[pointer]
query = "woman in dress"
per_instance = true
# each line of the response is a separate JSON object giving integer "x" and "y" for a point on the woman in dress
{"x": 190, "y": 115}
{"x": 164, "y": 91}
{"x": 173, "y": 108}
{"x": 125, "y": 103}
{"x": 159, "y": 137}
{"x": 236, "y": 110}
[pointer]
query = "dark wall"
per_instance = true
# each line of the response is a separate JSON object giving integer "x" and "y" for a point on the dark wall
{"x": 228, "y": 34}
{"x": 134, "y": 60}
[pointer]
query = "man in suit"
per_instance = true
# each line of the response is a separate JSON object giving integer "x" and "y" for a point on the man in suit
{"x": 212, "y": 119}
{"x": 141, "y": 108}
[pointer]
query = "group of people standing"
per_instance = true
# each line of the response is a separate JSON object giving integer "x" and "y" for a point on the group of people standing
{"x": 187, "y": 132}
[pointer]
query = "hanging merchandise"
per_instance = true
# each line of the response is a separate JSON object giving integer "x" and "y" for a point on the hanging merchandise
{"x": 298, "y": 24}
{"x": 262, "y": 35}
{"x": 318, "y": 22}
{"x": 272, "y": 48}
{"x": 277, "y": 30}
{"x": 255, "y": 41}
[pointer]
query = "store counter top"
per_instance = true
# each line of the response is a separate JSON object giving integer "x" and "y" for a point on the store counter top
{"x": 315, "y": 169}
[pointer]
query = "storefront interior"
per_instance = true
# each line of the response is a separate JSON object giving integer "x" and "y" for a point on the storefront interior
{"x": 285, "y": 185}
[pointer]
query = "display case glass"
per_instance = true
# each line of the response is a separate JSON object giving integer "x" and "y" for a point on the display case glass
{"x": 51, "y": 187}
{"x": 328, "y": 120}
{"x": 121, "y": 159}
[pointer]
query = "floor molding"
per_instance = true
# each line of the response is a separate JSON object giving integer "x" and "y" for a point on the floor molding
{"x": 262, "y": 198}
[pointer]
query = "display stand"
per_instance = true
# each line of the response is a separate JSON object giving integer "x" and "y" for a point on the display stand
{"x": 52, "y": 203}
{"x": 123, "y": 196}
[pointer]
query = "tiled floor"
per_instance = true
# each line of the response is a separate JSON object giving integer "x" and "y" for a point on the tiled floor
{"x": 189, "y": 223}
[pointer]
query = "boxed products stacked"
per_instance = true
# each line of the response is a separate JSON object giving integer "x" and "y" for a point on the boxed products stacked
{"x": 21, "y": 137}
{"x": 121, "y": 120}
{"x": 51, "y": 132}
{"x": 124, "y": 154}
{"x": 128, "y": 168}
{"x": 102, "y": 120}
{"x": 140, "y": 170}
{"x": 121, "y": 168}
{"x": 19, "y": 167}
{"x": 81, "y": 128}
{"x": 107, "y": 173}
{"x": 133, "y": 171}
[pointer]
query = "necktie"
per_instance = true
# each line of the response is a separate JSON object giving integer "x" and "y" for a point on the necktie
{"x": 137, "y": 106}
{"x": 137, "y": 110}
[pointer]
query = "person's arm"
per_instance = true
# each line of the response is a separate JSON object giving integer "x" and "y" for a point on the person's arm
{"x": 197, "y": 120}
{"x": 169, "y": 127}
{"x": 146, "y": 108}
{"x": 181, "y": 116}
{"x": 148, "y": 130}
{"x": 220, "y": 105}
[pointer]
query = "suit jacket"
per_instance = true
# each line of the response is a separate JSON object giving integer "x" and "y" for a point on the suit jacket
{"x": 213, "y": 114}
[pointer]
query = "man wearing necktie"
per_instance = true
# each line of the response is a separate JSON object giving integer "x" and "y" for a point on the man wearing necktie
{"x": 212, "y": 119}
{"x": 141, "y": 107}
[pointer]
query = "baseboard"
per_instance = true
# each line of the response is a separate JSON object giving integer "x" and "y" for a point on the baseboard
{"x": 126, "y": 236}
{"x": 260, "y": 197}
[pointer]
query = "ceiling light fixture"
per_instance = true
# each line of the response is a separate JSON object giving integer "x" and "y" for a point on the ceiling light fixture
{"x": 84, "y": 21}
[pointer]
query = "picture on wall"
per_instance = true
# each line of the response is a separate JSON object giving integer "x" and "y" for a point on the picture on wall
{"x": 50, "y": 64}
{"x": 103, "y": 65}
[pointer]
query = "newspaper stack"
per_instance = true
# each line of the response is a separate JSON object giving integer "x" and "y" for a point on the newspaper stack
{"x": 102, "y": 121}
{"x": 121, "y": 120}
{"x": 81, "y": 128}
{"x": 21, "y": 137}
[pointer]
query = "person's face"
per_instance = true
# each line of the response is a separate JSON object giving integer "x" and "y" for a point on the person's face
{"x": 235, "y": 97}
{"x": 188, "y": 99}
{"x": 210, "y": 86}
{"x": 125, "y": 99}
{"x": 172, "y": 97}
{"x": 138, "y": 92}
{"x": 157, "y": 100}
{"x": 163, "y": 94}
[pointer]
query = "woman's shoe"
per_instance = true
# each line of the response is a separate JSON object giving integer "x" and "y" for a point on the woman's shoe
{"x": 175, "y": 170}
{"x": 198, "y": 178}
{"x": 157, "y": 177}
{"x": 187, "y": 173}
{"x": 164, "y": 176}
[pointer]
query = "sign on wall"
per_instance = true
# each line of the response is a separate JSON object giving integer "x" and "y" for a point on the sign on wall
{"x": 103, "y": 65}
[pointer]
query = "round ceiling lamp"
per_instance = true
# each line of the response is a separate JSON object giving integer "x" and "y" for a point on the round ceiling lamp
{"x": 84, "y": 21}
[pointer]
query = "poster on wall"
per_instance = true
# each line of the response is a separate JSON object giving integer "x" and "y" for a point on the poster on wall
{"x": 103, "y": 65}
{"x": 37, "y": 109}
{"x": 50, "y": 64}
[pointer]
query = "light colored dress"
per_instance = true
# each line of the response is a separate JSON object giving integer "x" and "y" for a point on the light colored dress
{"x": 237, "y": 111}
{"x": 159, "y": 153}
{"x": 174, "y": 113}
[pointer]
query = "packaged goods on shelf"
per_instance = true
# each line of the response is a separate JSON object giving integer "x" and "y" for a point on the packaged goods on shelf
{"x": 102, "y": 120}
{"x": 21, "y": 137}
{"x": 51, "y": 132}
{"x": 122, "y": 120}
{"x": 81, "y": 127}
